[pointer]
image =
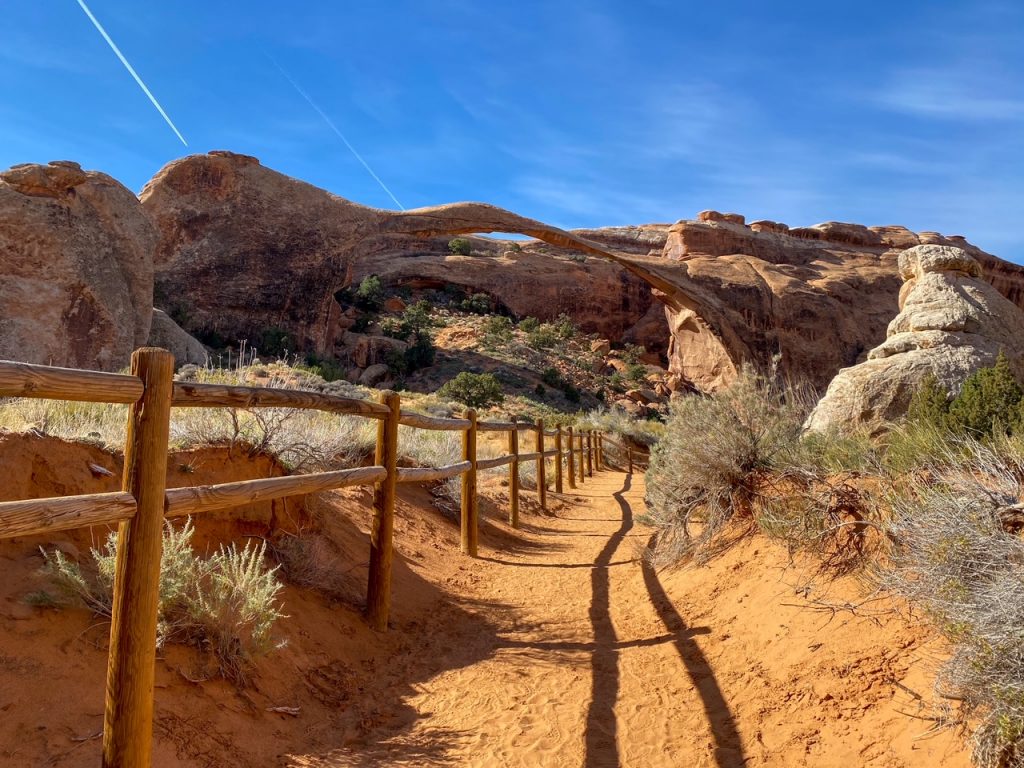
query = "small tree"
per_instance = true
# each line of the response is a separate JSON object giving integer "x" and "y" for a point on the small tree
{"x": 460, "y": 246}
{"x": 370, "y": 294}
{"x": 989, "y": 400}
{"x": 477, "y": 390}
{"x": 930, "y": 404}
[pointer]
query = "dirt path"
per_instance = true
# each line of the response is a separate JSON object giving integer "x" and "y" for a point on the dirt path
{"x": 590, "y": 664}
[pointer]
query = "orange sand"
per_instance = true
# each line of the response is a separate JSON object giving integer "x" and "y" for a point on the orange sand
{"x": 555, "y": 648}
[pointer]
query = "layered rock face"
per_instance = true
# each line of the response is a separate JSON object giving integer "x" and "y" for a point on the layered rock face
{"x": 951, "y": 323}
{"x": 244, "y": 249}
{"x": 810, "y": 300}
{"x": 76, "y": 267}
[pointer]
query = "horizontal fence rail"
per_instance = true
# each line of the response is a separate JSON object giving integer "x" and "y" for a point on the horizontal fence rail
{"x": 208, "y": 498}
{"x": 144, "y": 503}
{"x": 28, "y": 518}
{"x": 42, "y": 381}
{"x": 195, "y": 395}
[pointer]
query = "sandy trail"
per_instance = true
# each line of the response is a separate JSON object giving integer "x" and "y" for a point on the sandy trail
{"x": 590, "y": 665}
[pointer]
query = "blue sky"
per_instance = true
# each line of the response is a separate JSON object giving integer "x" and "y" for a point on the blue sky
{"x": 577, "y": 113}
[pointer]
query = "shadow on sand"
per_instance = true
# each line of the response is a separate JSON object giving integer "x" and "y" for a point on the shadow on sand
{"x": 601, "y": 728}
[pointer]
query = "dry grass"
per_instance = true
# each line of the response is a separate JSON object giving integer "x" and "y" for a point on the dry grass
{"x": 954, "y": 559}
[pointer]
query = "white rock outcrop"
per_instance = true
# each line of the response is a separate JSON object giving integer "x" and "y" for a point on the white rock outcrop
{"x": 951, "y": 323}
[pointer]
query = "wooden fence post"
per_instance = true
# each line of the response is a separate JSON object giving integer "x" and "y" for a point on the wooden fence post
{"x": 579, "y": 438}
{"x": 542, "y": 481}
{"x": 378, "y": 588}
{"x": 590, "y": 453}
{"x": 629, "y": 458}
{"x": 470, "y": 508}
{"x": 570, "y": 462}
{"x": 513, "y": 475}
{"x": 558, "y": 459}
{"x": 600, "y": 451}
{"x": 128, "y": 713}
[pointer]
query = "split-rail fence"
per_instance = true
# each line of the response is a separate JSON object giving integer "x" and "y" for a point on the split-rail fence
{"x": 144, "y": 501}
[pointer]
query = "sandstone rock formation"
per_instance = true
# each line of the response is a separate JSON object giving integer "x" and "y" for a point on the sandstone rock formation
{"x": 811, "y": 299}
{"x": 76, "y": 267}
{"x": 951, "y": 323}
{"x": 244, "y": 249}
{"x": 242, "y": 252}
{"x": 168, "y": 334}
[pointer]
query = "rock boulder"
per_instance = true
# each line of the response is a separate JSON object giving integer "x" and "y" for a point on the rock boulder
{"x": 76, "y": 267}
{"x": 951, "y": 323}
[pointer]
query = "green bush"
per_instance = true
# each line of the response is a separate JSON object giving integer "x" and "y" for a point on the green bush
{"x": 370, "y": 294}
{"x": 544, "y": 336}
{"x": 497, "y": 331}
{"x": 565, "y": 327}
{"x": 551, "y": 377}
{"x": 989, "y": 401}
{"x": 637, "y": 373}
{"x": 414, "y": 327}
{"x": 460, "y": 246}
{"x": 477, "y": 304}
{"x": 477, "y": 390}
{"x": 326, "y": 369}
{"x": 929, "y": 404}
{"x": 225, "y": 603}
{"x": 632, "y": 352}
{"x": 276, "y": 341}
{"x": 571, "y": 392}
{"x": 529, "y": 324}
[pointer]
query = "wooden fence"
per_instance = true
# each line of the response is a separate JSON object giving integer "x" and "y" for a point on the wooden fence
{"x": 145, "y": 502}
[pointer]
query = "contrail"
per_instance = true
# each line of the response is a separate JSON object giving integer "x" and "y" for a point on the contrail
{"x": 334, "y": 128}
{"x": 131, "y": 71}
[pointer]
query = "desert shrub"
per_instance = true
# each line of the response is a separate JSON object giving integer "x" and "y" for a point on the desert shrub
{"x": 420, "y": 353}
{"x": 427, "y": 448}
{"x": 497, "y": 330}
{"x": 929, "y": 404}
{"x": 539, "y": 390}
{"x": 477, "y": 304}
{"x": 394, "y": 328}
{"x": 551, "y": 377}
{"x": 226, "y": 603}
{"x": 414, "y": 327}
{"x": 544, "y": 336}
{"x": 636, "y": 373}
{"x": 989, "y": 400}
{"x": 953, "y": 559}
{"x": 708, "y": 466}
{"x": 276, "y": 341}
{"x": 477, "y": 390}
{"x": 565, "y": 327}
{"x": 326, "y": 368}
{"x": 529, "y": 324}
{"x": 460, "y": 246}
{"x": 617, "y": 382}
{"x": 621, "y": 425}
{"x": 571, "y": 392}
{"x": 831, "y": 452}
{"x": 631, "y": 353}
{"x": 370, "y": 294}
